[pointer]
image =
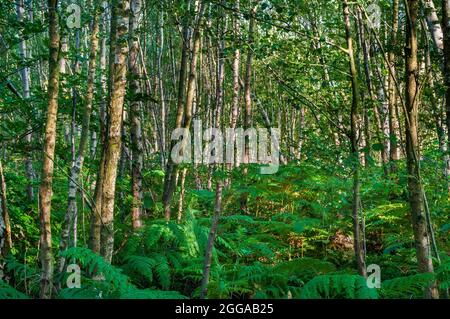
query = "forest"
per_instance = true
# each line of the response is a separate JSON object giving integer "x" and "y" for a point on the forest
{"x": 225, "y": 149}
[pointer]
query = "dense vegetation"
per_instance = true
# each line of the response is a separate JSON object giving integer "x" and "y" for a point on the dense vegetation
{"x": 360, "y": 92}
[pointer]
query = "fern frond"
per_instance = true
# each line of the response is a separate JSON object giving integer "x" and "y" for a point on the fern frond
{"x": 162, "y": 271}
{"x": 89, "y": 290}
{"x": 337, "y": 287}
{"x": 151, "y": 294}
{"x": 443, "y": 273}
{"x": 24, "y": 275}
{"x": 407, "y": 287}
{"x": 9, "y": 292}
{"x": 94, "y": 264}
{"x": 305, "y": 268}
{"x": 140, "y": 265}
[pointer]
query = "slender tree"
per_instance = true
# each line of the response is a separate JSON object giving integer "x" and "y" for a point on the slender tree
{"x": 95, "y": 225}
{"x": 113, "y": 143}
{"x": 356, "y": 204}
{"x": 171, "y": 172}
{"x": 446, "y": 27}
{"x": 434, "y": 24}
{"x": 419, "y": 222}
{"x": 236, "y": 73}
{"x": 25, "y": 75}
{"x": 45, "y": 191}
{"x": 135, "y": 106}
{"x": 6, "y": 240}
{"x": 77, "y": 165}
{"x": 394, "y": 154}
{"x": 248, "y": 97}
{"x": 211, "y": 239}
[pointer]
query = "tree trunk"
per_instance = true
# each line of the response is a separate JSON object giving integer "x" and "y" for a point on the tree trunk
{"x": 113, "y": 143}
{"x": 366, "y": 137}
{"x": 412, "y": 146}
{"x": 446, "y": 26}
{"x": 95, "y": 228}
{"x": 25, "y": 77}
{"x": 45, "y": 191}
{"x": 248, "y": 78}
{"x": 373, "y": 98}
{"x": 182, "y": 192}
{"x": 161, "y": 88}
{"x": 248, "y": 99}
{"x": 5, "y": 239}
{"x": 75, "y": 171}
{"x": 434, "y": 25}
{"x": 166, "y": 198}
{"x": 437, "y": 115}
{"x": 358, "y": 244}
{"x": 136, "y": 129}
{"x": 171, "y": 172}
{"x": 236, "y": 86}
{"x": 220, "y": 74}
{"x": 394, "y": 154}
{"x": 210, "y": 243}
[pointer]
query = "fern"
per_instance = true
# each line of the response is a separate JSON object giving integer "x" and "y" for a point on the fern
{"x": 90, "y": 289}
{"x": 305, "y": 268}
{"x": 159, "y": 250}
{"x": 25, "y": 276}
{"x": 96, "y": 265}
{"x": 192, "y": 271}
{"x": 151, "y": 294}
{"x": 339, "y": 287}
{"x": 112, "y": 283}
{"x": 8, "y": 292}
{"x": 162, "y": 270}
{"x": 407, "y": 287}
{"x": 443, "y": 273}
{"x": 140, "y": 265}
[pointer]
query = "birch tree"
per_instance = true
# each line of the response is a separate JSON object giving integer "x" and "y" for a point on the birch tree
{"x": 45, "y": 191}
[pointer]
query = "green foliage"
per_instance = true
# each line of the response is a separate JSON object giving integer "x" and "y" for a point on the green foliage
{"x": 156, "y": 253}
{"x": 443, "y": 273}
{"x": 140, "y": 265}
{"x": 338, "y": 287}
{"x": 282, "y": 280}
{"x": 102, "y": 280}
{"x": 407, "y": 287}
{"x": 284, "y": 253}
{"x": 95, "y": 265}
{"x": 151, "y": 294}
{"x": 305, "y": 268}
{"x": 8, "y": 292}
{"x": 26, "y": 276}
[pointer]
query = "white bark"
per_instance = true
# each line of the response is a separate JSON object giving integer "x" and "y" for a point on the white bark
{"x": 434, "y": 25}
{"x": 25, "y": 78}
